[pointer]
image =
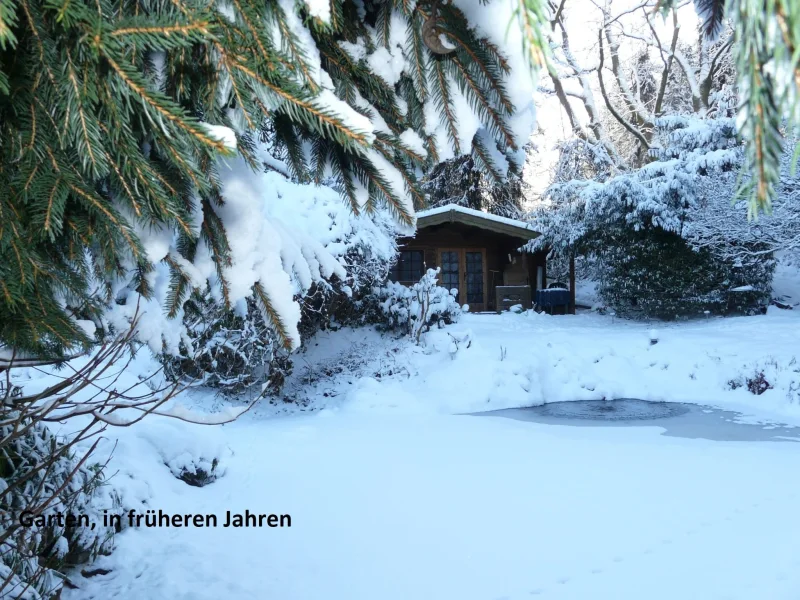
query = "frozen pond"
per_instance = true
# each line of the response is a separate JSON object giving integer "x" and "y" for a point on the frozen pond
{"x": 678, "y": 420}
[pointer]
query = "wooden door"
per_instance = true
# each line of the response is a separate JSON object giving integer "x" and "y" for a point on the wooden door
{"x": 464, "y": 269}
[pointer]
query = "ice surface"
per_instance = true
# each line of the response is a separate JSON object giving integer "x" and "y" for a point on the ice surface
{"x": 676, "y": 419}
{"x": 397, "y": 507}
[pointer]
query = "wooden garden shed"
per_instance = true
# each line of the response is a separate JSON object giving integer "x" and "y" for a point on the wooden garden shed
{"x": 477, "y": 253}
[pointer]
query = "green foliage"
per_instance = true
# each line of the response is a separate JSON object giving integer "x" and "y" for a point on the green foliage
{"x": 533, "y": 19}
{"x": 652, "y": 273}
{"x": 104, "y": 113}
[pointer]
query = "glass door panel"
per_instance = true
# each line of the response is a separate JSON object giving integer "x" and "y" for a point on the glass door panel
{"x": 451, "y": 271}
{"x": 474, "y": 276}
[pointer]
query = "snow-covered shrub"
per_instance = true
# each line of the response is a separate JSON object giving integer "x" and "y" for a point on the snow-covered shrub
{"x": 416, "y": 308}
{"x": 39, "y": 473}
{"x": 665, "y": 239}
{"x": 197, "y": 460}
{"x": 329, "y": 258}
{"x": 284, "y": 238}
{"x": 758, "y": 384}
{"x": 337, "y": 303}
{"x": 655, "y": 274}
{"x": 196, "y": 472}
{"x": 228, "y": 351}
{"x": 762, "y": 376}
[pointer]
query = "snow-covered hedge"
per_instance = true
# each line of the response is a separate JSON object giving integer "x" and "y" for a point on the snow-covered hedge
{"x": 655, "y": 274}
{"x": 415, "y": 309}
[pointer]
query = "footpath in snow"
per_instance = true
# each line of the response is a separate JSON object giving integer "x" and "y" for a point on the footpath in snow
{"x": 391, "y": 497}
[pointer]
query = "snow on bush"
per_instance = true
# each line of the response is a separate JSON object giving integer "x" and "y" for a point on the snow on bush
{"x": 327, "y": 255}
{"x": 666, "y": 236}
{"x": 32, "y": 558}
{"x": 194, "y": 459}
{"x": 228, "y": 352}
{"x": 415, "y": 309}
{"x": 196, "y": 471}
{"x": 284, "y": 237}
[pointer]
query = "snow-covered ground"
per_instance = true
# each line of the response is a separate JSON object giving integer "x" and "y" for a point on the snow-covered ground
{"x": 458, "y": 507}
{"x": 488, "y": 362}
{"x": 394, "y": 495}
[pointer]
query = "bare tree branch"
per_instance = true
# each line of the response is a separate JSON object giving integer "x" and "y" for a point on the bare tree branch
{"x": 662, "y": 88}
{"x": 642, "y": 140}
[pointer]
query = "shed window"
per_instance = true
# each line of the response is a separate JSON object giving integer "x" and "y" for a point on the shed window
{"x": 409, "y": 267}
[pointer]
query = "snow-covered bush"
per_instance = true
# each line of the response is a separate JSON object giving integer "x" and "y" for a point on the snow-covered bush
{"x": 329, "y": 257}
{"x": 40, "y": 474}
{"x": 655, "y": 274}
{"x": 759, "y": 377}
{"x": 284, "y": 238}
{"x": 655, "y": 234}
{"x": 417, "y": 308}
{"x": 196, "y": 472}
{"x": 228, "y": 351}
{"x": 336, "y": 303}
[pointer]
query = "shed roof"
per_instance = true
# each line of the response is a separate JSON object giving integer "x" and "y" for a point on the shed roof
{"x": 453, "y": 213}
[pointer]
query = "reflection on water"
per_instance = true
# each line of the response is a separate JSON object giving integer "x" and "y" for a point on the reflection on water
{"x": 678, "y": 420}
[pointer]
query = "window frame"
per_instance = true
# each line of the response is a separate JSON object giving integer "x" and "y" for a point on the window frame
{"x": 402, "y": 268}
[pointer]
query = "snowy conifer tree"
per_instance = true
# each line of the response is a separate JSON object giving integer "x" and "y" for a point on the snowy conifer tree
{"x": 464, "y": 182}
{"x": 649, "y": 227}
{"x": 115, "y": 117}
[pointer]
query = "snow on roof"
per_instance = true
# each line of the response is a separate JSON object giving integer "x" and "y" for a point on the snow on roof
{"x": 475, "y": 213}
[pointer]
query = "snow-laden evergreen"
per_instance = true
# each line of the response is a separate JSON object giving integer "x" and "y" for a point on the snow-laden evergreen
{"x": 324, "y": 254}
{"x": 641, "y": 215}
{"x": 409, "y": 104}
{"x": 132, "y": 130}
{"x": 284, "y": 238}
{"x": 663, "y": 193}
{"x": 464, "y": 182}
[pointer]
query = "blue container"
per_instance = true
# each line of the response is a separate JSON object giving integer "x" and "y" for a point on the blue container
{"x": 547, "y": 299}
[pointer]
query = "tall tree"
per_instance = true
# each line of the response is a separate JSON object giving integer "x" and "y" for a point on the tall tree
{"x": 634, "y": 75}
{"x": 463, "y": 181}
